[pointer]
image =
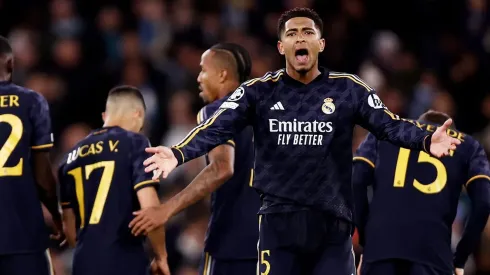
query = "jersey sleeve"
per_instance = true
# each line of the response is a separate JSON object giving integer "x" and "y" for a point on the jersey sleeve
{"x": 374, "y": 116}
{"x": 478, "y": 166}
{"x": 42, "y": 138}
{"x": 67, "y": 189}
{"x": 478, "y": 188}
{"x": 230, "y": 118}
{"x": 363, "y": 176}
{"x": 204, "y": 114}
{"x": 367, "y": 151}
{"x": 140, "y": 178}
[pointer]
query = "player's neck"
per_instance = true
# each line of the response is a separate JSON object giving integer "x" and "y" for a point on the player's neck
{"x": 5, "y": 77}
{"x": 227, "y": 88}
{"x": 303, "y": 78}
{"x": 117, "y": 123}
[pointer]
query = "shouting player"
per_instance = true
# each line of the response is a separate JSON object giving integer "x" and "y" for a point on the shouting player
{"x": 231, "y": 240}
{"x": 102, "y": 182}
{"x": 303, "y": 118}
{"x": 25, "y": 175}
{"x": 407, "y": 228}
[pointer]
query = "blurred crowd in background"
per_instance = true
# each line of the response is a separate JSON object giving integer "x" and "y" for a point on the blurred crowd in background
{"x": 418, "y": 54}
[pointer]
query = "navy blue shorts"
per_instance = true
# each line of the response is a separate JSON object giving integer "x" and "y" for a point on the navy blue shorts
{"x": 399, "y": 267}
{"x": 305, "y": 243}
{"x": 28, "y": 263}
{"x": 212, "y": 266}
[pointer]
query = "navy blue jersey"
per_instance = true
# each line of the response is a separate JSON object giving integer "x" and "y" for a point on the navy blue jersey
{"x": 415, "y": 198}
{"x": 302, "y": 137}
{"x": 233, "y": 225}
{"x": 99, "y": 179}
{"x": 25, "y": 125}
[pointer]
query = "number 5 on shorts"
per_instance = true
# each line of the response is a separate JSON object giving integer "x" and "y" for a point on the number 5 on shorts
{"x": 263, "y": 261}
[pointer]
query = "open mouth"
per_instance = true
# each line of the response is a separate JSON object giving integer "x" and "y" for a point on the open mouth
{"x": 301, "y": 55}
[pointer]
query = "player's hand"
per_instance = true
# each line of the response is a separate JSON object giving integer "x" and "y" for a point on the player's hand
{"x": 441, "y": 142}
{"x": 58, "y": 235}
{"x": 147, "y": 220}
{"x": 159, "y": 266}
{"x": 459, "y": 271}
{"x": 162, "y": 162}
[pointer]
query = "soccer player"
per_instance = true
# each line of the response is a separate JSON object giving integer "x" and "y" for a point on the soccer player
{"x": 303, "y": 118}
{"x": 231, "y": 240}
{"x": 25, "y": 175}
{"x": 406, "y": 229}
{"x": 102, "y": 182}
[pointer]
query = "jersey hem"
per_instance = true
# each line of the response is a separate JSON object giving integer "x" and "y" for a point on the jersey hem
{"x": 42, "y": 146}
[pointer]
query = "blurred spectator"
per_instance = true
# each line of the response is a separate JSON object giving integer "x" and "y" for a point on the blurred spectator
{"x": 73, "y": 52}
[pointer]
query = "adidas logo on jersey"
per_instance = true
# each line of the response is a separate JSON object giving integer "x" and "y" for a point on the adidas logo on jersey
{"x": 277, "y": 106}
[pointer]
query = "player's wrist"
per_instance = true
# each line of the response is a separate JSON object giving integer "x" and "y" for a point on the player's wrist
{"x": 179, "y": 155}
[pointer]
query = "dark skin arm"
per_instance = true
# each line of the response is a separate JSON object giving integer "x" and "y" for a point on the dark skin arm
{"x": 46, "y": 185}
{"x": 219, "y": 170}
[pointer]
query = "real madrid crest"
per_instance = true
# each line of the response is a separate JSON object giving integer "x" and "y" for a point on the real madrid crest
{"x": 328, "y": 107}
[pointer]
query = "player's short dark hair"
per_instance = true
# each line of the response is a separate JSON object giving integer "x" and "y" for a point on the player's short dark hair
{"x": 5, "y": 47}
{"x": 127, "y": 90}
{"x": 242, "y": 58}
{"x": 435, "y": 117}
{"x": 298, "y": 12}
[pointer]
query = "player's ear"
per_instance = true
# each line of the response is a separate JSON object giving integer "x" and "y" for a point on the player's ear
{"x": 280, "y": 47}
{"x": 322, "y": 44}
{"x": 103, "y": 116}
{"x": 222, "y": 76}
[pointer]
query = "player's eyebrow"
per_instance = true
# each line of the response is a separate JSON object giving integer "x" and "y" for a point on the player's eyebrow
{"x": 303, "y": 29}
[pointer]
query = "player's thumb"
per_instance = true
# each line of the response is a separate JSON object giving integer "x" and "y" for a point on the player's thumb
{"x": 446, "y": 124}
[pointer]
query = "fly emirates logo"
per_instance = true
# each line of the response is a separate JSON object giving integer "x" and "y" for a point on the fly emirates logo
{"x": 299, "y": 132}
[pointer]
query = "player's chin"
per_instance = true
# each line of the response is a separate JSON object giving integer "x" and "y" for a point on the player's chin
{"x": 303, "y": 68}
{"x": 204, "y": 97}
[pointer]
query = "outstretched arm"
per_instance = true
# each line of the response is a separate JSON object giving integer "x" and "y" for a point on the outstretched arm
{"x": 375, "y": 117}
{"x": 233, "y": 115}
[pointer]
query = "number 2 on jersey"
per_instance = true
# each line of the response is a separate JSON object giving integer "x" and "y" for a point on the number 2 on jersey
{"x": 102, "y": 191}
{"x": 10, "y": 144}
{"x": 401, "y": 171}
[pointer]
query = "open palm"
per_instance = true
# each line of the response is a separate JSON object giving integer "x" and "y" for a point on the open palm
{"x": 161, "y": 163}
{"x": 441, "y": 142}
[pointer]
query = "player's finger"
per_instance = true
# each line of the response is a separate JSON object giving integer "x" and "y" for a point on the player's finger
{"x": 139, "y": 212}
{"x": 452, "y": 147}
{"x": 153, "y": 150}
{"x": 446, "y": 124}
{"x": 136, "y": 220}
{"x": 63, "y": 243}
{"x": 165, "y": 174}
{"x": 150, "y": 160}
{"x": 137, "y": 227}
{"x": 141, "y": 227}
{"x": 151, "y": 167}
{"x": 157, "y": 174}
{"x": 455, "y": 141}
{"x": 56, "y": 236}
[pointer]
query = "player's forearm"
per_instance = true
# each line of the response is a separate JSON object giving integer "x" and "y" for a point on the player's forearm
{"x": 157, "y": 241}
{"x": 46, "y": 184}
{"x": 219, "y": 128}
{"x": 400, "y": 132}
{"x": 208, "y": 180}
{"x": 479, "y": 191}
{"x": 69, "y": 227}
